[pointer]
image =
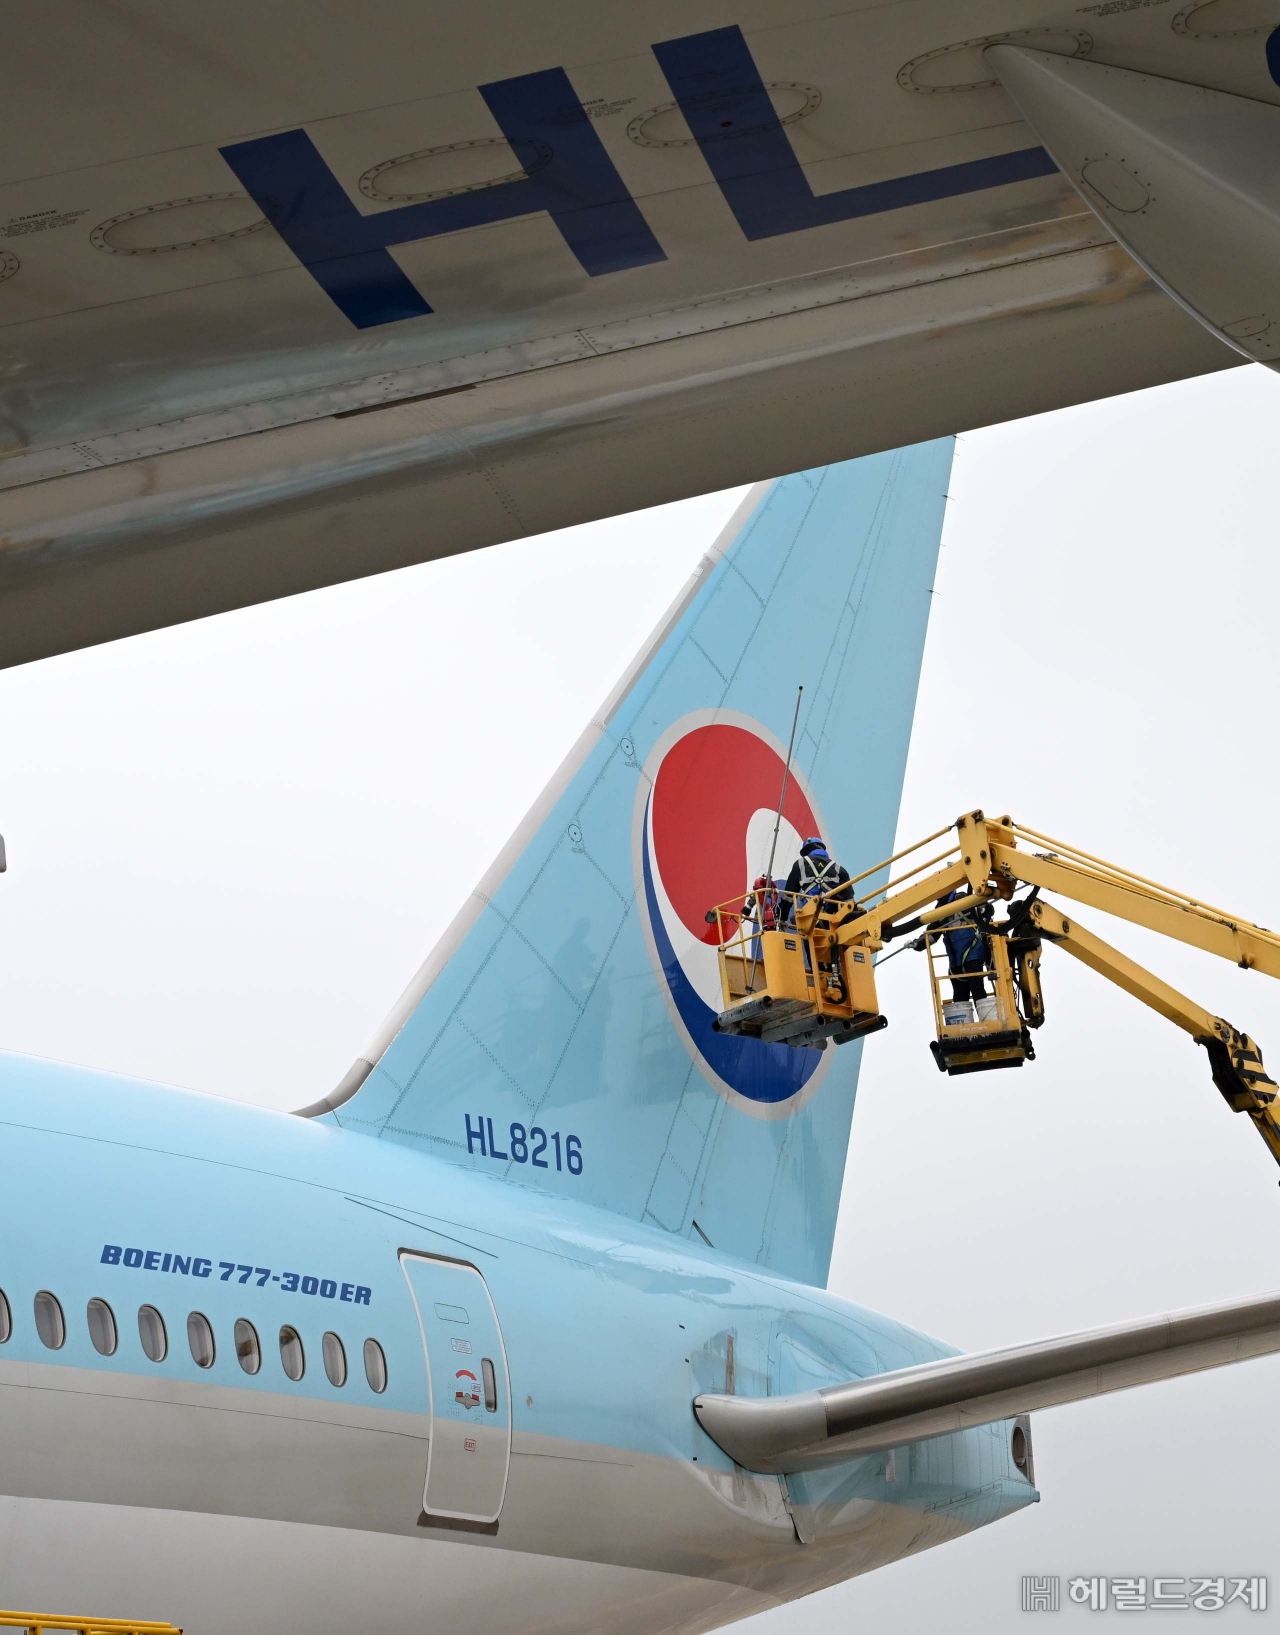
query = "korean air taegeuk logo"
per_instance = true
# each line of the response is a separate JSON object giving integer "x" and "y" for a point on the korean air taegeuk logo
{"x": 705, "y": 813}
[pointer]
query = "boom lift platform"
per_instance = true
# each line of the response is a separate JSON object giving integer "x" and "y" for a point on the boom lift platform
{"x": 810, "y": 979}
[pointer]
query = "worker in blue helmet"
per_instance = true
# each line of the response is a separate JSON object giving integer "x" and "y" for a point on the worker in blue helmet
{"x": 815, "y": 873}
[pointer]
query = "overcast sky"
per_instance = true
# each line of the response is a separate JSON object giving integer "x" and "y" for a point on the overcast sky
{"x": 232, "y": 843}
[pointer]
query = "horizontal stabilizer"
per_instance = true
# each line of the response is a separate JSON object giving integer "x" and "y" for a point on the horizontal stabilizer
{"x": 815, "y": 1429}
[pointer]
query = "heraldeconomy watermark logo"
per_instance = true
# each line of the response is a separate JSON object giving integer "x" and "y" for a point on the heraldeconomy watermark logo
{"x": 1042, "y": 1592}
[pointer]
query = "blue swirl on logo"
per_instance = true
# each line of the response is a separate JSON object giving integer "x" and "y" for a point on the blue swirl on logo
{"x": 763, "y": 1073}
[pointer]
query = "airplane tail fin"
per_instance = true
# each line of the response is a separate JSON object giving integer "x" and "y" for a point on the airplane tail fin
{"x": 560, "y": 1034}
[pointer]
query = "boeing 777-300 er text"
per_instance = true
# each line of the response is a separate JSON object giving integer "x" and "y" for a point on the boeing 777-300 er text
{"x": 292, "y": 294}
{"x": 522, "y": 1328}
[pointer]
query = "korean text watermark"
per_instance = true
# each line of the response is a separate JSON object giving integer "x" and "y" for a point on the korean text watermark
{"x": 1043, "y": 1593}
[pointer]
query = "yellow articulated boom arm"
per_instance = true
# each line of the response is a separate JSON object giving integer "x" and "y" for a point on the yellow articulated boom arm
{"x": 808, "y": 978}
{"x": 986, "y": 856}
{"x": 1234, "y": 1059}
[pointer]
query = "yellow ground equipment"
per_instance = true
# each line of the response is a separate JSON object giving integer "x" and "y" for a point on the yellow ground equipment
{"x": 811, "y": 979}
{"x": 793, "y": 986}
{"x": 36, "y": 1622}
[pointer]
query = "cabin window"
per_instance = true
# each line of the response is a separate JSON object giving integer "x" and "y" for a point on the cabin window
{"x": 6, "y": 1318}
{"x": 375, "y": 1366}
{"x": 151, "y": 1331}
{"x": 200, "y": 1339}
{"x": 292, "y": 1359}
{"x": 490, "y": 1385}
{"x": 248, "y": 1351}
{"x": 335, "y": 1359}
{"x": 50, "y": 1324}
{"x": 102, "y": 1328}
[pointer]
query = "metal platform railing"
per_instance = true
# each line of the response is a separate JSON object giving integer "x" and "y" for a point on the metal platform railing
{"x": 36, "y": 1622}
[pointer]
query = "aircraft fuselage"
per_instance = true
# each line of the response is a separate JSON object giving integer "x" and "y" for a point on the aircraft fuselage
{"x": 164, "y": 1488}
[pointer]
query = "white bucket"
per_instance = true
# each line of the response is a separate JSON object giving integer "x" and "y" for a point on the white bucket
{"x": 956, "y": 1013}
{"x": 988, "y": 1009}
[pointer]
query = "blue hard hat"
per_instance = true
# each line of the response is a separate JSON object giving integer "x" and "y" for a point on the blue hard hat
{"x": 814, "y": 842}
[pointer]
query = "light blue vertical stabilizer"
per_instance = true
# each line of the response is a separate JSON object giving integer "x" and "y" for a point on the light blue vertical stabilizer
{"x": 561, "y": 1035}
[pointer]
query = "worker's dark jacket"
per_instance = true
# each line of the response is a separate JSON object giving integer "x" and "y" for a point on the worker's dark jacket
{"x": 818, "y": 874}
{"x": 966, "y": 946}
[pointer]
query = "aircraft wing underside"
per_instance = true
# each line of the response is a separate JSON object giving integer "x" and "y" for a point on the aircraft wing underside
{"x": 287, "y": 301}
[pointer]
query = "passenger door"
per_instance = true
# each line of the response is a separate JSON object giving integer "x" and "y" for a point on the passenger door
{"x": 470, "y": 1449}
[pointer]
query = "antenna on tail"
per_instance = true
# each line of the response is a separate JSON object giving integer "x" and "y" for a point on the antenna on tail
{"x": 786, "y": 773}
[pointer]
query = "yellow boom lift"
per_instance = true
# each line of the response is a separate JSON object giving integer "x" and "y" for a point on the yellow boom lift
{"x": 810, "y": 979}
